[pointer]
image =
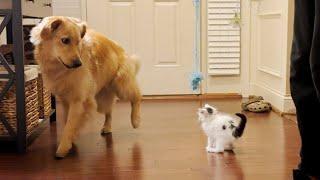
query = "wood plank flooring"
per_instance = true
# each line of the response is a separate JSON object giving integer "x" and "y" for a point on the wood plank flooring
{"x": 168, "y": 146}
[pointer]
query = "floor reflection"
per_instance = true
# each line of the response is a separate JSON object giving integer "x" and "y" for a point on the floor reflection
{"x": 225, "y": 166}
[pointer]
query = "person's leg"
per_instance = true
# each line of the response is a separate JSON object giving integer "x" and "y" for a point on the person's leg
{"x": 303, "y": 88}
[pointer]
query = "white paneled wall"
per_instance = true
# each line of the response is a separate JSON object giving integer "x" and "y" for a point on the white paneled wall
{"x": 67, "y": 8}
{"x": 223, "y": 37}
{"x": 271, "y": 36}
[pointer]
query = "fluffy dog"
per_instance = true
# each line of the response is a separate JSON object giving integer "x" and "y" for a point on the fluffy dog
{"x": 86, "y": 71}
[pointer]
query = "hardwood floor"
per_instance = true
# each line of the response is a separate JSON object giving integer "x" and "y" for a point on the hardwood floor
{"x": 169, "y": 145}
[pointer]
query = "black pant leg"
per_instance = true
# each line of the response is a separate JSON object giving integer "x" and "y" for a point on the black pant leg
{"x": 315, "y": 49}
{"x": 303, "y": 88}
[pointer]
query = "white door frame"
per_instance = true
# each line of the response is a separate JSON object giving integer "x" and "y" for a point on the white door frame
{"x": 83, "y": 9}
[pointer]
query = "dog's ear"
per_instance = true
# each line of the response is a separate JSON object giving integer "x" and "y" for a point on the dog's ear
{"x": 55, "y": 25}
{"x": 51, "y": 28}
{"x": 83, "y": 28}
{"x": 81, "y": 24}
{"x": 45, "y": 28}
{"x": 35, "y": 34}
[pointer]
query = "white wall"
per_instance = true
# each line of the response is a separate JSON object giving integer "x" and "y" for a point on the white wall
{"x": 271, "y": 36}
{"x": 67, "y": 8}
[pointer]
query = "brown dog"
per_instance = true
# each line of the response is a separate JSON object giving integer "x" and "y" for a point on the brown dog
{"x": 85, "y": 70}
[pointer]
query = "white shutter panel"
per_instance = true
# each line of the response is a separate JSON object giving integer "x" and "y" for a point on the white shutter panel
{"x": 223, "y": 38}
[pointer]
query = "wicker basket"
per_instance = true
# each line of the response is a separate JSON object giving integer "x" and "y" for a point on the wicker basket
{"x": 44, "y": 96}
{"x": 44, "y": 99}
{"x": 8, "y": 103}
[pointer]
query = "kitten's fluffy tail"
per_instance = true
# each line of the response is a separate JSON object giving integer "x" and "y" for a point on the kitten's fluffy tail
{"x": 240, "y": 129}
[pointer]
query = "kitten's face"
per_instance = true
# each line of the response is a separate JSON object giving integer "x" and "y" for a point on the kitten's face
{"x": 206, "y": 112}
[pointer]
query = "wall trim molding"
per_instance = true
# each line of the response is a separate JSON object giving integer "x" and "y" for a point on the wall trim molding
{"x": 270, "y": 15}
{"x": 269, "y": 71}
{"x": 194, "y": 97}
{"x": 268, "y": 88}
{"x": 283, "y": 103}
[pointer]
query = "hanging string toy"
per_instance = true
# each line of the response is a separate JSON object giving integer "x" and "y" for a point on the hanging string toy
{"x": 196, "y": 76}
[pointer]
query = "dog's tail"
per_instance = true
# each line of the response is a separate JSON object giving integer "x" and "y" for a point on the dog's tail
{"x": 134, "y": 60}
{"x": 240, "y": 129}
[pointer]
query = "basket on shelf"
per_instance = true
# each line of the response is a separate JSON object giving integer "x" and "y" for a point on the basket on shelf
{"x": 44, "y": 99}
{"x": 6, "y": 50}
{"x": 44, "y": 96}
{"x": 8, "y": 103}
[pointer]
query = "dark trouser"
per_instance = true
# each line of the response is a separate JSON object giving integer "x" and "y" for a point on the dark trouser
{"x": 305, "y": 81}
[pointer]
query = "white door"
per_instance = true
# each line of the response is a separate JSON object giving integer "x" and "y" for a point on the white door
{"x": 271, "y": 33}
{"x": 160, "y": 32}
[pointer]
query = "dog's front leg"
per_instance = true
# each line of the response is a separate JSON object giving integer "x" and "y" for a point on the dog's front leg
{"x": 107, "y": 124}
{"x": 75, "y": 116}
{"x": 65, "y": 107}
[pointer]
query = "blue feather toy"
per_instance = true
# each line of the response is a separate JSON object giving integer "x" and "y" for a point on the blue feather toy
{"x": 196, "y": 76}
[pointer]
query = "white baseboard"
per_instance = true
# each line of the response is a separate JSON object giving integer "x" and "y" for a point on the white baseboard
{"x": 289, "y": 106}
{"x": 283, "y": 103}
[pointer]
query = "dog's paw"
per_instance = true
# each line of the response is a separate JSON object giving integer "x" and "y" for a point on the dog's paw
{"x": 135, "y": 123}
{"x": 63, "y": 150}
{"x": 105, "y": 131}
{"x": 60, "y": 155}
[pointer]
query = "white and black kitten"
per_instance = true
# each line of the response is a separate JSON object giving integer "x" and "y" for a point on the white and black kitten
{"x": 222, "y": 129}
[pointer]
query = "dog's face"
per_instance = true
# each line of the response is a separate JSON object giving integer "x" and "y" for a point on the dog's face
{"x": 62, "y": 37}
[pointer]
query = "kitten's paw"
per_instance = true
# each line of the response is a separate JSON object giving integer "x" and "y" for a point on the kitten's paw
{"x": 209, "y": 149}
{"x": 229, "y": 148}
{"x": 214, "y": 150}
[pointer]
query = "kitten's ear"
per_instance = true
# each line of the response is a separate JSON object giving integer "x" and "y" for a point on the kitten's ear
{"x": 215, "y": 110}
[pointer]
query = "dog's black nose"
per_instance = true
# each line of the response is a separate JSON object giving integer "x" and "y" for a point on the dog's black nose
{"x": 76, "y": 63}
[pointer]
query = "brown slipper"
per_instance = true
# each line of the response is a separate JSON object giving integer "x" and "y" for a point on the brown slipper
{"x": 259, "y": 106}
{"x": 252, "y": 99}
